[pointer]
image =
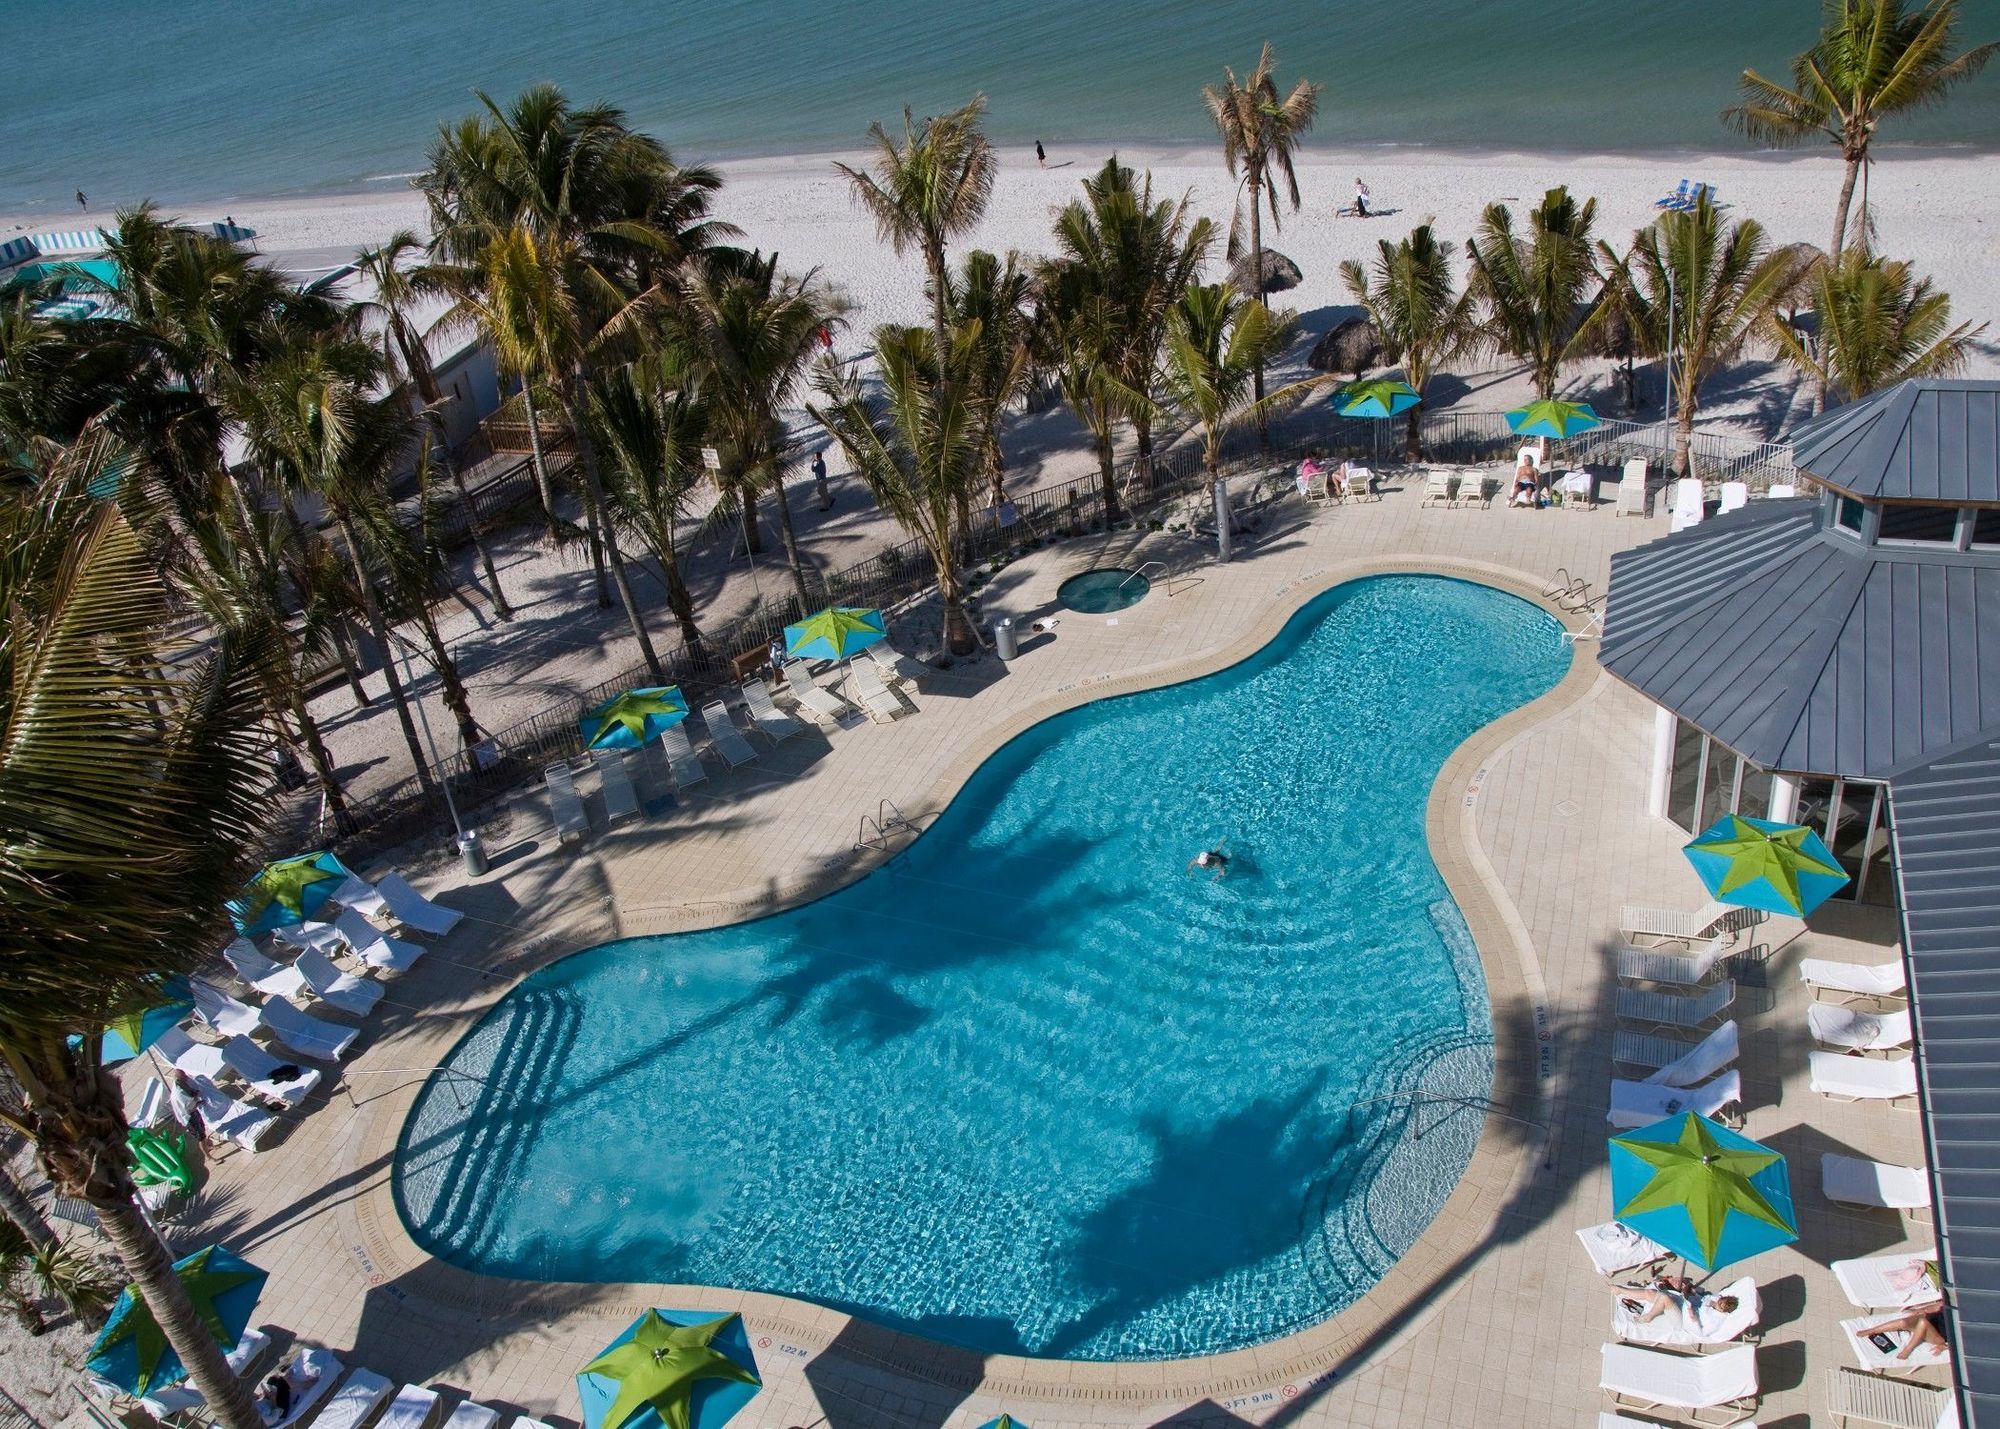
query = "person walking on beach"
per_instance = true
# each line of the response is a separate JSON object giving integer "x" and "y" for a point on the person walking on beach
{"x": 1360, "y": 199}
{"x": 82, "y": 202}
{"x": 819, "y": 481}
{"x": 1041, "y": 159}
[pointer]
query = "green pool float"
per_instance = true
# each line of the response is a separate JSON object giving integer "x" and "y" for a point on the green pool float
{"x": 159, "y": 1160}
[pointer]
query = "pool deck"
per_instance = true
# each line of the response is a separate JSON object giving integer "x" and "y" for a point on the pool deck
{"x": 1494, "y": 1318}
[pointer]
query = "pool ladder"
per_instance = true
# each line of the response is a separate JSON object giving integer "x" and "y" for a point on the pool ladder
{"x": 1169, "y": 579}
{"x": 886, "y": 820}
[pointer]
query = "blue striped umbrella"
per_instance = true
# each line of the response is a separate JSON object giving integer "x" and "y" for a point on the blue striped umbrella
{"x": 1704, "y": 1192}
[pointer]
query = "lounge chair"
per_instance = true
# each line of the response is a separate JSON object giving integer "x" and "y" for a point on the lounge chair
{"x": 363, "y": 897}
{"x": 811, "y": 696}
{"x": 1358, "y": 489}
{"x": 722, "y": 735}
{"x": 1632, "y": 488}
{"x": 412, "y": 1408}
{"x": 242, "y": 1057}
{"x": 1677, "y": 198}
{"x": 1679, "y": 969}
{"x": 1896, "y": 1403}
{"x": 1440, "y": 488}
{"x": 765, "y": 717}
{"x": 183, "y": 1398}
{"x": 1858, "y": 1079}
{"x": 325, "y": 1367}
{"x": 1860, "y": 1184}
{"x": 1643, "y": 1103}
{"x": 682, "y": 761}
{"x": 1781, "y": 491}
{"x": 413, "y": 910}
{"x": 1735, "y": 496}
{"x": 621, "y": 800}
{"x": 1689, "y": 504}
{"x": 374, "y": 947}
{"x": 564, "y": 805}
{"x": 1663, "y": 1009}
{"x": 359, "y": 1396}
{"x": 307, "y": 1036}
{"x": 1670, "y": 925}
{"x": 1848, "y": 981}
{"x": 894, "y": 665}
{"x": 223, "y": 1012}
{"x": 1853, "y": 1031}
{"x": 222, "y": 1115}
{"x": 1888, "y": 1282}
{"x": 1675, "y": 1063}
{"x": 1877, "y": 1360}
{"x": 471, "y": 1414}
{"x": 343, "y": 992}
{"x": 1721, "y": 1386}
{"x": 875, "y": 697}
{"x": 1678, "y": 1330}
{"x": 269, "y": 978}
{"x": 310, "y": 934}
{"x": 1615, "y": 1248}
{"x": 1322, "y": 488}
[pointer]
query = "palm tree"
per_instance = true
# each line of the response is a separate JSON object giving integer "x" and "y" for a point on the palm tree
{"x": 988, "y": 300}
{"x": 917, "y": 447}
{"x": 651, "y": 434}
{"x": 1532, "y": 288}
{"x": 1078, "y": 340}
{"x": 1873, "y": 59}
{"x": 1411, "y": 300}
{"x": 1703, "y": 291}
{"x": 133, "y": 790}
{"x": 399, "y": 288}
{"x": 927, "y": 190}
{"x": 1878, "y": 324}
{"x": 1217, "y": 339}
{"x": 1260, "y": 132}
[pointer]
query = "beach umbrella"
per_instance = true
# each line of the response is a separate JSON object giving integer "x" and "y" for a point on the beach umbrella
{"x": 1382, "y": 397}
{"x": 132, "y": 1352}
{"x": 1553, "y": 419}
{"x": 1706, "y": 1193}
{"x": 133, "y": 1032}
{"x": 287, "y": 892}
{"x": 1005, "y": 1421}
{"x": 835, "y": 633}
{"x": 633, "y": 719}
{"x": 671, "y": 1369}
{"x": 1755, "y": 863}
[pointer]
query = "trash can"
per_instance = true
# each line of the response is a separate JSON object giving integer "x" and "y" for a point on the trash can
{"x": 472, "y": 853}
{"x": 1003, "y": 638}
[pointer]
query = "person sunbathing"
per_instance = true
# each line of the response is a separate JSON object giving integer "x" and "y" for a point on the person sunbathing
{"x": 1677, "y": 1292}
{"x": 1527, "y": 484}
{"x": 1925, "y": 1325}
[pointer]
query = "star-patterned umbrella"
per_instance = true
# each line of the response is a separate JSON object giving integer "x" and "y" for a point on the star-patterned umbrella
{"x": 1755, "y": 863}
{"x": 287, "y": 892}
{"x": 1383, "y": 397}
{"x": 1701, "y": 1190}
{"x": 1549, "y": 418}
{"x": 131, "y": 1351}
{"x": 634, "y": 718}
{"x": 1005, "y": 1421}
{"x": 671, "y": 1369}
{"x": 133, "y": 1032}
{"x": 835, "y": 633}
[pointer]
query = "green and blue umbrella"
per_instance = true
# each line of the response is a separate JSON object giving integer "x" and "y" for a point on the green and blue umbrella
{"x": 671, "y": 1369}
{"x": 132, "y": 1352}
{"x": 835, "y": 633}
{"x": 1755, "y": 863}
{"x": 1382, "y": 397}
{"x": 1005, "y": 1421}
{"x": 1547, "y": 418}
{"x": 1706, "y": 1193}
{"x": 287, "y": 892}
{"x": 635, "y": 718}
{"x": 133, "y": 1032}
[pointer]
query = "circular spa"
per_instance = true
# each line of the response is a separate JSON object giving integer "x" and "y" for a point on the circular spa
{"x": 1103, "y": 591}
{"x": 1036, "y": 1085}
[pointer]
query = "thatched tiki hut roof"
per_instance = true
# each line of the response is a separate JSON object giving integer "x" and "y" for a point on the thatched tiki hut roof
{"x": 1280, "y": 273}
{"x": 1353, "y": 346}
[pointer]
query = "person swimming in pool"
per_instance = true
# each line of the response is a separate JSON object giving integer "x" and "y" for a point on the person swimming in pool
{"x": 1216, "y": 860}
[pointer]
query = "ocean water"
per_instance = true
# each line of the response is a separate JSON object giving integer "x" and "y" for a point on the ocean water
{"x": 206, "y": 99}
{"x": 1034, "y": 1087}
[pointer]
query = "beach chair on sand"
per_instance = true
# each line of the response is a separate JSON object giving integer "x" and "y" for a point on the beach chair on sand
{"x": 621, "y": 800}
{"x": 1888, "y": 1282}
{"x": 1858, "y": 1079}
{"x": 1664, "y": 1009}
{"x": 1850, "y": 1030}
{"x": 1670, "y": 925}
{"x": 1678, "y": 197}
{"x": 1845, "y": 982}
{"x": 875, "y": 697}
{"x": 413, "y": 910}
{"x": 1707, "y": 1389}
{"x": 307, "y": 1036}
{"x": 1861, "y": 1184}
{"x": 1853, "y": 1397}
{"x": 733, "y": 747}
{"x": 564, "y": 806}
{"x": 1615, "y": 1248}
{"x": 685, "y": 764}
{"x": 1643, "y": 1103}
{"x": 765, "y": 717}
{"x": 811, "y": 696}
{"x": 374, "y": 948}
{"x": 1678, "y": 1064}
{"x": 1678, "y": 969}
{"x": 183, "y": 1398}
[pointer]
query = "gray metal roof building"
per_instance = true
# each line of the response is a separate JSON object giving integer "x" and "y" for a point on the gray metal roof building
{"x": 1928, "y": 440}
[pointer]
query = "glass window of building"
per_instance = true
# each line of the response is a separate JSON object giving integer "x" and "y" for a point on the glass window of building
{"x": 1753, "y": 792}
{"x": 1706, "y": 779}
{"x": 1850, "y": 514}
{"x": 1933, "y": 525}
{"x": 1853, "y": 817}
{"x": 1986, "y": 527}
{"x": 1718, "y": 783}
{"x": 1684, "y": 783}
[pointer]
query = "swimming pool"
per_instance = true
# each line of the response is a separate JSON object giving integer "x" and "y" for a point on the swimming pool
{"x": 1032, "y": 1086}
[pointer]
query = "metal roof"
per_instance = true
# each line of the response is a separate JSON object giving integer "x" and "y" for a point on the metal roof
{"x": 1930, "y": 440}
{"x": 1802, "y": 649}
{"x": 1947, "y": 834}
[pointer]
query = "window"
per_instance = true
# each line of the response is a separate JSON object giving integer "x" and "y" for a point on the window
{"x": 1753, "y": 795}
{"x": 1718, "y": 784}
{"x": 1986, "y": 527}
{"x": 1850, "y": 513}
{"x": 1685, "y": 780}
{"x": 1707, "y": 779}
{"x": 1853, "y": 818}
{"x": 1935, "y": 524}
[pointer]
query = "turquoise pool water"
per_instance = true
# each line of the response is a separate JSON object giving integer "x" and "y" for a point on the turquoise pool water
{"x": 1033, "y": 1087}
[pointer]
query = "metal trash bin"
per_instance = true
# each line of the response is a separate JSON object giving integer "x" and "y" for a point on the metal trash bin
{"x": 1003, "y": 638}
{"x": 472, "y": 853}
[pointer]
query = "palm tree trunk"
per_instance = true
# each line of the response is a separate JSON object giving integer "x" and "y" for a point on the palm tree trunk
{"x": 593, "y": 490}
{"x": 1142, "y": 437}
{"x": 316, "y": 751}
{"x": 790, "y": 538}
{"x": 958, "y": 636}
{"x": 451, "y": 686}
{"x": 1684, "y": 440}
{"x": 680, "y": 602}
{"x": 536, "y": 460}
{"x": 1107, "y": 474}
{"x": 23, "y": 1212}
{"x": 350, "y": 664}
{"x": 1257, "y": 285}
{"x": 472, "y": 527}
{"x": 996, "y": 471}
{"x": 379, "y": 628}
{"x": 1846, "y": 201}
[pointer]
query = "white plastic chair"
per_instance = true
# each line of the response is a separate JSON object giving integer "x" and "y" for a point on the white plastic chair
{"x": 1735, "y": 496}
{"x": 1688, "y": 504}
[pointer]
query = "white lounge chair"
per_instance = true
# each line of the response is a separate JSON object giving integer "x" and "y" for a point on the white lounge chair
{"x": 1735, "y": 496}
{"x": 412, "y": 1408}
{"x": 223, "y": 1012}
{"x": 1858, "y": 1079}
{"x": 1721, "y": 1386}
{"x": 621, "y": 800}
{"x": 472, "y": 1415}
{"x": 1688, "y": 504}
{"x": 1858, "y": 1183}
{"x": 343, "y": 992}
{"x": 1855, "y": 1031}
{"x": 811, "y": 696}
{"x": 363, "y": 897}
{"x": 324, "y": 1368}
{"x": 310, "y": 934}
{"x": 1440, "y": 488}
{"x": 255, "y": 1066}
{"x": 183, "y": 1397}
{"x": 894, "y": 665}
{"x": 1896, "y": 1403}
{"x": 1877, "y": 1360}
{"x": 1678, "y": 969}
{"x": 1615, "y": 1248}
{"x": 1781, "y": 491}
{"x": 875, "y": 697}
{"x": 221, "y": 1114}
{"x": 682, "y": 761}
{"x": 564, "y": 806}
{"x": 1680, "y": 1330}
{"x": 1847, "y": 981}
{"x": 1888, "y": 1282}
{"x": 269, "y": 978}
{"x": 1632, "y": 488}
{"x": 374, "y": 947}
{"x": 765, "y": 717}
{"x": 1642, "y": 1103}
{"x": 1703, "y": 1060}
{"x": 413, "y": 910}
{"x": 1358, "y": 478}
{"x": 1670, "y": 925}
{"x": 1664, "y": 1009}
{"x": 307, "y": 1036}
{"x": 356, "y": 1401}
{"x": 722, "y": 735}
